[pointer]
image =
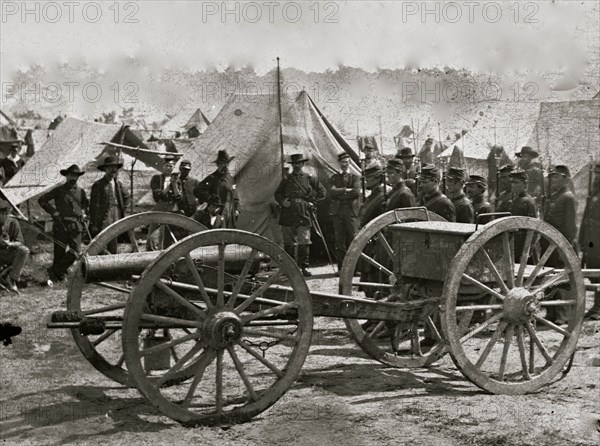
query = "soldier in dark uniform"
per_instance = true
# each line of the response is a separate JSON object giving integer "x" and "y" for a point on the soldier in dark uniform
{"x": 344, "y": 190}
{"x": 432, "y": 198}
{"x": 13, "y": 162}
{"x": 13, "y": 251}
{"x": 68, "y": 214}
{"x": 188, "y": 202}
{"x": 209, "y": 213}
{"x": 410, "y": 174}
{"x": 533, "y": 169}
{"x": 504, "y": 200}
{"x": 560, "y": 212}
{"x": 400, "y": 196}
{"x": 108, "y": 200}
{"x": 221, "y": 183}
{"x": 589, "y": 236}
{"x": 297, "y": 195}
{"x": 374, "y": 205}
{"x": 522, "y": 204}
{"x": 476, "y": 186}
{"x": 455, "y": 183}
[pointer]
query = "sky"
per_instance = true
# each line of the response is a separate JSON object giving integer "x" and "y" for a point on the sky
{"x": 497, "y": 36}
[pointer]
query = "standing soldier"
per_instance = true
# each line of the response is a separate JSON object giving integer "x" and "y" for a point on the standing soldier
{"x": 476, "y": 187}
{"x": 400, "y": 196}
{"x": 13, "y": 162}
{"x": 371, "y": 158}
{"x": 188, "y": 202}
{"x": 68, "y": 213}
{"x": 344, "y": 190}
{"x": 12, "y": 246}
{"x": 504, "y": 199}
{"x": 522, "y": 204}
{"x": 108, "y": 200}
{"x": 560, "y": 213}
{"x": 589, "y": 236}
{"x": 221, "y": 183}
{"x": 297, "y": 195}
{"x": 432, "y": 198}
{"x": 533, "y": 169}
{"x": 374, "y": 205}
{"x": 455, "y": 183}
{"x": 410, "y": 174}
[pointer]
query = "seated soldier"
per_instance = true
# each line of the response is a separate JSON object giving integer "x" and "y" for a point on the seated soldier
{"x": 210, "y": 213}
{"x": 13, "y": 252}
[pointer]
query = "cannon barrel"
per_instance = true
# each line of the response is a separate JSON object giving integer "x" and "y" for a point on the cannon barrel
{"x": 123, "y": 266}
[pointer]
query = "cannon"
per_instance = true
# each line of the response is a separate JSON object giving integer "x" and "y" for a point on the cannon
{"x": 216, "y": 327}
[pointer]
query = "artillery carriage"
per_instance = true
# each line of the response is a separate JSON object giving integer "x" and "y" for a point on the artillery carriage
{"x": 196, "y": 318}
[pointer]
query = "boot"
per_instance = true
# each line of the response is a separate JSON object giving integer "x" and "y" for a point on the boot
{"x": 303, "y": 255}
{"x": 594, "y": 312}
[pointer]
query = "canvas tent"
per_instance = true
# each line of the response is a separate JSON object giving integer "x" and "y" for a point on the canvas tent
{"x": 248, "y": 128}
{"x": 185, "y": 119}
{"x": 74, "y": 142}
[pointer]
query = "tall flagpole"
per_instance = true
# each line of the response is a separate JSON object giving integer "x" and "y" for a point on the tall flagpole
{"x": 280, "y": 121}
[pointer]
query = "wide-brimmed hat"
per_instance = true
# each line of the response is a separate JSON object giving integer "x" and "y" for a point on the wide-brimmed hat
{"x": 4, "y": 205}
{"x": 223, "y": 157}
{"x": 526, "y": 150}
{"x": 456, "y": 173}
{"x": 110, "y": 161}
{"x": 560, "y": 170}
{"x": 215, "y": 200}
{"x": 477, "y": 179}
{"x": 72, "y": 169}
{"x": 405, "y": 152}
{"x": 297, "y": 158}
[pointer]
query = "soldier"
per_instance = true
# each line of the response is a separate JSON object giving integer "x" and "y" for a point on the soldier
{"x": 504, "y": 199}
{"x": 188, "y": 202}
{"x": 410, "y": 174}
{"x": 432, "y": 198}
{"x": 221, "y": 183}
{"x": 522, "y": 204}
{"x": 344, "y": 190}
{"x": 209, "y": 213}
{"x": 400, "y": 196}
{"x": 476, "y": 186}
{"x": 68, "y": 213}
{"x": 108, "y": 200}
{"x": 13, "y": 162}
{"x": 560, "y": 213}
{"x": 12, "y": 248}
{"x": 166, "y": 191}
{"x": 297, "y": 194}
{"x": 455, "y": 183}
{"x": 533, "y": 169}
{"x": 371, "y": 158}
{"x": 374, "y": 205}
{"x": 589, "y": 237}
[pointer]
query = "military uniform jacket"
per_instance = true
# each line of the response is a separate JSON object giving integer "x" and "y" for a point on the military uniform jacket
{"x": 400, "y": 197}
{"x": 373, "y": 207}
{"x": 504, "y": 202}
{"x": 481, "y": 205}
{"x": 343, "y": 202}
{"x": 10, "y": 231}
{"x": 589, "y": 235}
{"x": 223, "y": 185}
{"x": 301, "y": 190}
{"x": 188, "y": 202}
{"x": 560, "y": 212}
{"x": 10, "y": 167}
{"x": 70, "y": 202}
{"x": 463, "y": 209}
{"x": 523, "y": 205}
{"x": 103, "y": 196}
{"x": 171, "y": 195}
{"x": 440, "y": 204}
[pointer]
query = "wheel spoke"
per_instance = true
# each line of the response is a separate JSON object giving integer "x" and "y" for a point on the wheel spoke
{"x": 558, "y": 303}
{"x": 510, "y": 264}
{"x": 507, "y": 341}
{"x": 433, "y": 328}
{"x": 524, "y": 257}
{"x": 179, "y": 299}
{"x": 221, "y": 278}
{"x": 204, "y": 360}
{"x": 386, "y": 245}
{"x": 376, "y": 264}
{"x": 133, "y": 241}
{"x": 540, "y": 264}
{"x": 533, "y": 335}
{"x": 103, "y": 337}
{"x": 479, "y": 307}
{"x": 179, "y": 364}
{"x": 240, "y": 369}
{"x": 558, "y": 278}
{"x": 376, "y": 329}
{"x": 496, "y": 317}
{"x": 480, "y": 285}
{"x": 258, "y": 292}
{"x": 174, "y": 354}
{"x": 521, "y": 345}
{"x": 171, "y": 321}
{"x": 172, "y": 235}
{"x": 262, "y": 360}
{"x": 241, "y": 278}
{"x": 219, "y": 383}
{"x": 495, "y": 271}
{"x": 488, "y": 348}
{"x": 103, "y": 309}
{"x": 170, "y": 344}
{"x": 270, "y": 334}
{"x": 553, "y": 326}
{"x": 199, "y": 282}
{"x": 269, "y": 312}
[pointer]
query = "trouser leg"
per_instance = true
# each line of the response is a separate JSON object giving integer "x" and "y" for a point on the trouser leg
{"x": 289, "y": 240}
{"x": 20, "y": 255}
{"x": 303, "y": 256}
{"x": 339, "y": 230}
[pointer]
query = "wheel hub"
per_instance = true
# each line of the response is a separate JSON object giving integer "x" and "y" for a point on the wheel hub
{"x": 520, "y": 305}
{"x": 222, "y": 329}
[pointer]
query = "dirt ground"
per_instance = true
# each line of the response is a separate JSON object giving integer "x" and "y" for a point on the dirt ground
{"x": 51, "y": 395}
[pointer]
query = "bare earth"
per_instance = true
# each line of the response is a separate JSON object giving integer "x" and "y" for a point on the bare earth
{"x": 51, "y": 395}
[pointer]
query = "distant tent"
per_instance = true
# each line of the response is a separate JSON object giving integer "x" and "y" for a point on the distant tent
{"x": 187, "y": 118}
{"x": 405, "y": 138}
{"x": 248, "y": 128}
{"x": 74, "y": 142}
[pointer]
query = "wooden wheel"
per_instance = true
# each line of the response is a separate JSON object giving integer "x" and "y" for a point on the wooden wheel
{"x": 104, "y": 351}
{"x": 373, "y": 246}
{"x": 246, "y": 342}
{"x": 518, "y": 297}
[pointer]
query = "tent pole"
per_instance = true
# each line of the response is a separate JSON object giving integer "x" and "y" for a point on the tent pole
{"x": 280, "y": 121}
